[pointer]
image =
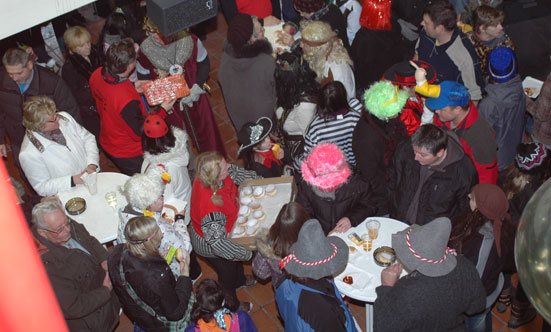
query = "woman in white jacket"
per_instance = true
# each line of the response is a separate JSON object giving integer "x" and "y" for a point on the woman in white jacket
{"x": 56, "y": 150}
{"x": 168, "y": 147}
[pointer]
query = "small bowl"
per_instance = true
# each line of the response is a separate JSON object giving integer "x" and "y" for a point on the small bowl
{"x": 75, "y": 206}
{"x": 384, "y": 256}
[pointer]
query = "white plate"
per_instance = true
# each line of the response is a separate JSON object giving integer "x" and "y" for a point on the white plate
{"x": 532, "y": 83}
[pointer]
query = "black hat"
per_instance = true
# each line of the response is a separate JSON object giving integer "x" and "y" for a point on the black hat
{"x": 403, "y": 73}
{"x": 253, "y": 133}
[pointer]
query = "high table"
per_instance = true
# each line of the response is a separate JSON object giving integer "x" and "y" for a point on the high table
{"x": 361, "y": 265}
{"x": 100, "y": 219}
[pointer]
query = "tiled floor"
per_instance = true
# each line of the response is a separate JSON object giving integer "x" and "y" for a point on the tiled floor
{"x": 264, "y": 312}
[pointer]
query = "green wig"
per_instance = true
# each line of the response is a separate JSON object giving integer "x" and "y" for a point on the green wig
{"x": 385, "y": 100}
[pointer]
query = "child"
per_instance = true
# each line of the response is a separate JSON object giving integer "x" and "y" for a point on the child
{"x": 215, "y": 311}
{"x": 261, "y": 154}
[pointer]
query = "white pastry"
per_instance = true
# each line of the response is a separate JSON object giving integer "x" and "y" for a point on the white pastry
{"x": 241, "y": 220}
{"x": 255, "y": 205}
{"x": 251, "y": 231}
{"x": 245, "y": 200}
{"x": 259, "y": 215}
{"x": 238, "y": 230}
{"x": 258, "y": 192}
{"x": 247, "y": 191}
{"x": 271, "y": 189}
{"x": 252, "y": 222}
{"x": 244, "y": 211}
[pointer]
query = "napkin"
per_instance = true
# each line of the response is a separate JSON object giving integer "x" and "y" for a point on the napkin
{"x": 172, "y": 207}
{"x": 361, "y": 279}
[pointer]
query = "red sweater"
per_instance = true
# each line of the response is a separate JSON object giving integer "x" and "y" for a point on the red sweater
{"x": 478, "y": 141}
{"x": 201, "y": 204}
{"x": 116, "y": 137}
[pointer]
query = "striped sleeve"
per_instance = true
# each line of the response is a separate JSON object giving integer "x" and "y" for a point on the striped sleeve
{"x": 216, "y": 241}
{"x": 238, "y": 174}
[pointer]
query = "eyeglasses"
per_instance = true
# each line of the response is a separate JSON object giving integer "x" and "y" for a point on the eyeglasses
{"x": 66, "y": 225}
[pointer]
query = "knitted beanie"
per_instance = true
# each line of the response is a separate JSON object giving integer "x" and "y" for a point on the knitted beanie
{"x": 530, "y": 156}
{"x": 240, "y": 30}
{"x": 309, "y": 6}
{"x": 385, "y": 100}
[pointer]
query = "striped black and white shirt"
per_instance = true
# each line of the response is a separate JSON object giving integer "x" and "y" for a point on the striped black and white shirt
{"x": 338, "y": 130}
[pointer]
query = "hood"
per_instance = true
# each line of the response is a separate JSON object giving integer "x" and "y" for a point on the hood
{"x": 454, "y": 151}
{"x": 503, "y": 91}
{"x": 248, "y": 54}
{"x": 178, "y": 154}
{"x": 263, "y": 245}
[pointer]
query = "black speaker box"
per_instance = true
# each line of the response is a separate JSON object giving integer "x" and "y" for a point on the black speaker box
{"x": 171, "y": 16}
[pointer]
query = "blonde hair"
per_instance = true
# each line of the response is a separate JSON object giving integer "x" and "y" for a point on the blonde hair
{"x": 36, "y": 111}
{"x": 137, "y": 233}
{"x": 208, "y": 170}
{"x": 515, "y": 180}
{"x": 75, "y": 37}
{"x": 317, "y": 56}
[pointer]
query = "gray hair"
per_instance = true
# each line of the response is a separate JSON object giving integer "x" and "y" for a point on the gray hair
{"x": 46, "y": 207}
{"x": 15, "y": 56}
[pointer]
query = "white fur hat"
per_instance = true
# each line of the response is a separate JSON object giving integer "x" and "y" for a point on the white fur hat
{"x": 142, "y": 190}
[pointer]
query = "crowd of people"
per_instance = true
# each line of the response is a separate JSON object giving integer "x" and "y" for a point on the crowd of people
{"x": 418, "y": 114}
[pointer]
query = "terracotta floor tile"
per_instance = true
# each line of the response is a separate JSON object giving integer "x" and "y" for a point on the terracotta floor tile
{"x": 360, "y": 318}
{"x": 262, "y": 293}
{"x": 244, "y": 296}
{"x": 498, "y": 326}
{"x": 272, "y": 311}
{"x": 264, "y": 322}
{"x": 125, "y": 325}
{"x": 502, "y": 317}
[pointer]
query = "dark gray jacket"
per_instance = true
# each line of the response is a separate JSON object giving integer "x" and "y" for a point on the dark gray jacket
{"x": 420, "y": 303}
{"x": 504, "y": 108}
{"x": 44, "y": 83}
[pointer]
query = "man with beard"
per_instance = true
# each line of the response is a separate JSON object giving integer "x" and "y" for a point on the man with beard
{"x": 246, "y": 72}
{"x": 326, "y": 55}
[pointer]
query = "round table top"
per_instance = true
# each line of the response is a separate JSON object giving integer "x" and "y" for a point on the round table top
{"x": 361, "y": 265}
{"x": 100, "y": 219}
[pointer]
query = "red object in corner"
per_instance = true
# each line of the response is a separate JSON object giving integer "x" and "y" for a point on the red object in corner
{"x": 28, "y": 302}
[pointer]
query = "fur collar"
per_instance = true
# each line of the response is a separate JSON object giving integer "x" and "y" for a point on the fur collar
{"x": 264, "y": 247}
{"x": 179, "y": 151}
{"x": 261, "y": 46}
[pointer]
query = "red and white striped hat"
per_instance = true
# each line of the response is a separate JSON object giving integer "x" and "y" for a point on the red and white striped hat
{"x": 314, "y": 255}
{"x": 425, "y": 248}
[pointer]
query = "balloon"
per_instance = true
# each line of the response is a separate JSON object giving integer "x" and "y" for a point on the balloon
{"x": 533, "y": 249}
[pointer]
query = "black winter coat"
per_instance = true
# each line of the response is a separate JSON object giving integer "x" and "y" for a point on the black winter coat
{"x": 352, "y": 200}
{"x": 444, "y": 193}
{"x": 154, "y": 283}
{"x": 77, "y": 280}
{"x": 373, "y": 157}
{"x": 44, "y": 83}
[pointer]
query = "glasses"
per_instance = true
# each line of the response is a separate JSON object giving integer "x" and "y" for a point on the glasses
{"x": 66, "y": 225}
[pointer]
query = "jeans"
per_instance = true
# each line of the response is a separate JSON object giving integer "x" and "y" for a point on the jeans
{"x": 481, "y": 322}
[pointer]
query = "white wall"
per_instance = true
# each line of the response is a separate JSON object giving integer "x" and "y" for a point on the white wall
{"x": 18, "y": 15}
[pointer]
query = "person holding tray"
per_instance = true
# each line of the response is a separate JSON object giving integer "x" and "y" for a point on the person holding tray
{"x": 214, "y": 208}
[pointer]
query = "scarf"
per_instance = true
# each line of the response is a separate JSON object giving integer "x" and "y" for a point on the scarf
{"x": 493, "y": 204}
{"x": 163, "y": 57}
{"x": 222, "y": 321}
{"x": 269, "y": 157}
